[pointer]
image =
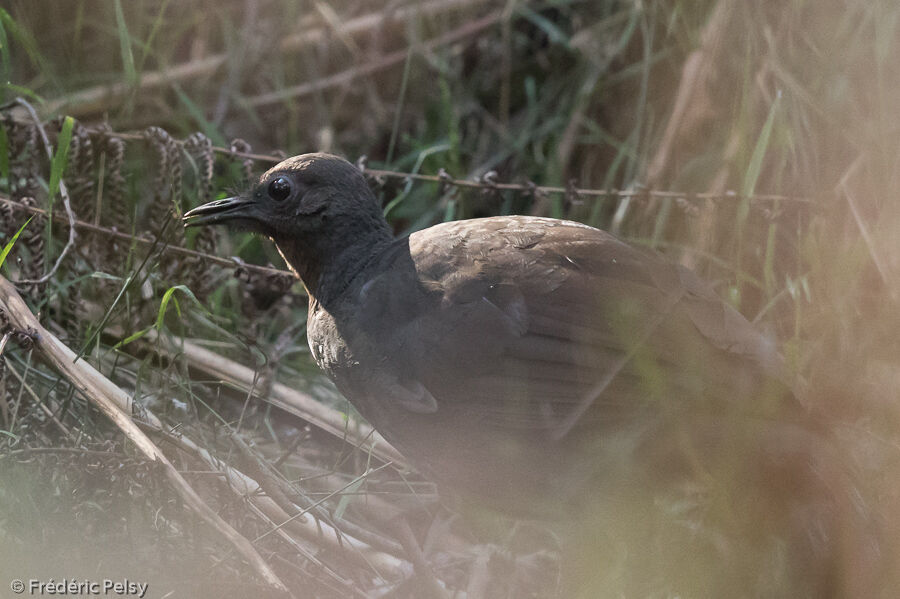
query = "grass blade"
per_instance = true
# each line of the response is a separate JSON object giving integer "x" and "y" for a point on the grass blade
{"x": 556, "y": 35}
{"x": 11, "y": 242}
{"x": 125, "y": 286}
{"x": 27, "y": 41}
{"x": 125, "y": 45}
{"x": 759, "y": 151}
{"x": 132, "y": 337}
{"x": 209, "y": 129}
{"x": 18, "y": 90}
{"x": 60, "y": 157}
{"x": 167, "y": 297}
{"x": 395, "y": 129}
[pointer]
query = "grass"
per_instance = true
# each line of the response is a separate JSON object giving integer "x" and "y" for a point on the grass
{"x": 797, "y": 98}
{"x": 9, "y": 244}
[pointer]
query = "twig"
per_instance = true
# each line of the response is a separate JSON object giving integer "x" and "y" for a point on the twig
{"x": 529, "y": 188}
{"x": 582, "y": 192}
{"x": 110, "y": 399}
{"x": 174, "y": 249}
{"x": 524, "y": 187}
{"x": 63, "y": 192}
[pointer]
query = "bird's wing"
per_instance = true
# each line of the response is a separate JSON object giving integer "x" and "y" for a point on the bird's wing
{"x": 537, "y": 325}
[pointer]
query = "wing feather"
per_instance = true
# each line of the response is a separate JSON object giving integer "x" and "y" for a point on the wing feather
{"x": 571, "y": 330}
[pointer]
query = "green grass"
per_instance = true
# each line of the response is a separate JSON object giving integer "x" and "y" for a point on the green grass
{"x": 9, "y": 244}
{"x": 60, "y": 159}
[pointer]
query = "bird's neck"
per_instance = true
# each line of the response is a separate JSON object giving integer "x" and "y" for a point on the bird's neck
{"x": 327, "y": 266}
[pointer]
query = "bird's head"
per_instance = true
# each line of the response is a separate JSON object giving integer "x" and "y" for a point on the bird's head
{"x": 299, "y": 198}
{"x": 318, "y": 210}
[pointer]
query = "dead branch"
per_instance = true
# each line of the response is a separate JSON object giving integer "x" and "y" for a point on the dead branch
{"x": 116, "y": 404}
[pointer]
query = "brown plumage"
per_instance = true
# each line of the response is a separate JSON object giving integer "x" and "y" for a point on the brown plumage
{"x": 534, "y": 364}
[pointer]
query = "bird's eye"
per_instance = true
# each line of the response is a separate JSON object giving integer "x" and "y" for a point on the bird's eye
{"x": 279, "y": 189}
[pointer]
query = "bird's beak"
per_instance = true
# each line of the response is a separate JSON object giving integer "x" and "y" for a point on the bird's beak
{"x": 220, "y": 211}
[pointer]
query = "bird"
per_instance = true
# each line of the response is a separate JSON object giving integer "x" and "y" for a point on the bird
{"x": 535, "y": 365}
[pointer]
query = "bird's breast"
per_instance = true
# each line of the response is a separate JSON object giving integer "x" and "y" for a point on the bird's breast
{"x": 327, "y": 345}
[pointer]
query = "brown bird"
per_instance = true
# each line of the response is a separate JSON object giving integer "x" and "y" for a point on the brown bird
{"x": 537, "y": 365}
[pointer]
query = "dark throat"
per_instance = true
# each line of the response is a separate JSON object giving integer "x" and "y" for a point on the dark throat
{"x": 327, "y": 264}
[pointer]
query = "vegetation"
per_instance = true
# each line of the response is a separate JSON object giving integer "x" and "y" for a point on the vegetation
{"x": 778, "y": 124}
